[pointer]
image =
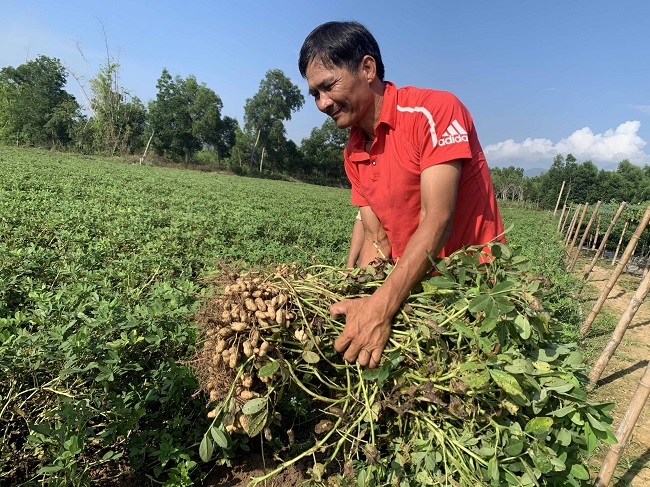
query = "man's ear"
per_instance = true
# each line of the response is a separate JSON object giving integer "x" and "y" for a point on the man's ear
{"x": 368, "y": 68}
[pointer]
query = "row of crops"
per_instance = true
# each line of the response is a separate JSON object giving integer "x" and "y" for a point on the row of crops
{"x": 102, "y": 264}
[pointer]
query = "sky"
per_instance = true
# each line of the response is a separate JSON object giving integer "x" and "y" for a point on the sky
{"x": 539, "y": 78}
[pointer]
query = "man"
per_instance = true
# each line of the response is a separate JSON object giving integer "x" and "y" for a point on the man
{"x": 417, "y": 171}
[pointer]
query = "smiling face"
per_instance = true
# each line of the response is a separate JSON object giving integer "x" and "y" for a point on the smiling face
{"x": 345, "y": 96}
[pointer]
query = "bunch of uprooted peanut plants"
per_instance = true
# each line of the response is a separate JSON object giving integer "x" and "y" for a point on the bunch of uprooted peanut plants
{"x": 471, "y": 389}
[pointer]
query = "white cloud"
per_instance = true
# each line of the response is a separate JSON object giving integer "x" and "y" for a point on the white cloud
{"x": 612, "y": 146}
{"x": 642, "y": 108}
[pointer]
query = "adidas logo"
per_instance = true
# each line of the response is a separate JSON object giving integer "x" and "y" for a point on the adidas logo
{"x": 454, "y": 133}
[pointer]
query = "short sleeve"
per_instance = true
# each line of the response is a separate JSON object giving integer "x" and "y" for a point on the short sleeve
{"x": 443, "y": 133}
{"x": 353, "y": 176}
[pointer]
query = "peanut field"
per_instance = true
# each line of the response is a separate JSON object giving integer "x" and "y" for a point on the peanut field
{"x": 104, "y": 265}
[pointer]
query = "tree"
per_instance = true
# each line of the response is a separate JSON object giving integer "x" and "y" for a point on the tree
{"x": 508, "y": 182}
{"x": 632, "y": 176}
{"x": 264, "y": 115}
{"x": 186, "y": 117}
{"x": 583, "y": 182}
{"x": 323, "y": 153}
{"x": 35, "y": 109}
{"x": 118, "y": 121}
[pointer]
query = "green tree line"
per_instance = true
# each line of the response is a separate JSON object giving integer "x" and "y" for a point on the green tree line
{"x": 583, "y": 183}
{"x": 186, "y": 123}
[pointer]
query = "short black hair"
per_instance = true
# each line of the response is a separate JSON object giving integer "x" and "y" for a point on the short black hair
{"x": 340, "y": 44}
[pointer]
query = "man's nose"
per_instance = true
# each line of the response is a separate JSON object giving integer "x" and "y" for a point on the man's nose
{"x": 323, "y": 102}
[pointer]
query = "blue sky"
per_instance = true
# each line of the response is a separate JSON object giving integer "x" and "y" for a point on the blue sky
{"x": 540, "y": 78}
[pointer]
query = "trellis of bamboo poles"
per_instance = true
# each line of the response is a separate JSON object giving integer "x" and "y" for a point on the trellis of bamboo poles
{"x": 594, "y": 239}
{"x": 624, "y": 430}
{"x": 603, "y": 242}
{"x": 559, "y": 196}
{"x": 578, "y": 227}
{"x": 569, "y": 209}
{"x": 584, "y": 237}
{"x": 619, "y": 331}
{"x": 620, "y": 241}
{"x": 559, "y": 223}
{"x": 617, "y": 271}
{"x": 569, "y": 232}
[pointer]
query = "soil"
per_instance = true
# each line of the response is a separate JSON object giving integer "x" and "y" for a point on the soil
{"x": 621, "y": 377}
{"x": 250, "y": 466}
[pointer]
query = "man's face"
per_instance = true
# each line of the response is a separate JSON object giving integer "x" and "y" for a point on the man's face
{"x": 343, "y": 95}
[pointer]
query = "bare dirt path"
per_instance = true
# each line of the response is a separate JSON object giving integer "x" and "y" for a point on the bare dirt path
{"x": 621, "y": 377}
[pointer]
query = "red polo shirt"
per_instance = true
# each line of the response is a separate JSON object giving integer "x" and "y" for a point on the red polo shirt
{"x": 419, "y": 128}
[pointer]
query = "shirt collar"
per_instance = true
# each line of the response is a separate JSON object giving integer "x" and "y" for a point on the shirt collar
{"x": 388, "y": 115}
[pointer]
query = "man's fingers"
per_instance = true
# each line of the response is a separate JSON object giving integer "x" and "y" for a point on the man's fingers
{"x": 353, "y": 352}
{"x": 339, "y": 309}
{"x": 375, "y": 357}
{"x": 342, "y": 342}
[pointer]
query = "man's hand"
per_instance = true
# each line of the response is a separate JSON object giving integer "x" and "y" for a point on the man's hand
{"x": 366, "y": 331}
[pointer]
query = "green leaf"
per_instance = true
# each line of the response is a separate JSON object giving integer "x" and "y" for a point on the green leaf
{"x": 564, "y": 437}
{"x": 438, "y": 282}
{"x": 514, "y": 447}
{"x": 269, "y": 369}
{"x": 590, "y": 437}
{"x": 506, "y": 382}
{"x": 254, "y": 405}
{"x": 361, "y": 479}
{"x": 475, "y": 380}
{"x": 310, "y": 357}
{"x": 522, "y": 325}
{"x": 503, "y": 287}
{"x": 519, "y": 366}
{"x": 579, "y": 472}
{"x": 493, "y": 469}
{"x": 219, "y": 436}
{"x": 463, "y": 329}
{"x": 574, "y": 359}
{"x": 206, "y": 448}
{"x": 545, "y": 354}
{"x": 539, "y": 425}
{"x": 595, "y": 424}
{"x": 482, "y": 302}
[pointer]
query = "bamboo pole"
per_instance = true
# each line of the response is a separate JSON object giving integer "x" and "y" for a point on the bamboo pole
{"x": 624, "y": 430}
{"x": 577, "y": 232}
{"x": 572, "y": 225}
{"x": 584, "y": 237}
{"x": 620, "y": 241}
{"x": 558, "y": 198}
{"x": 566, "y": 216}
{"x": 559, "y": 223}
{"x": 617, "y": 271}
{"x": 619, "y": 331}
{"x": 595, "y": 240}
{"x": 603, "y": 242}
{"x": 146, "y": 149}
{"x": 563, "y": 221}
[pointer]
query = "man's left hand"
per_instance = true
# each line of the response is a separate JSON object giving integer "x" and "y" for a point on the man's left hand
{"x": 366, "y": 331}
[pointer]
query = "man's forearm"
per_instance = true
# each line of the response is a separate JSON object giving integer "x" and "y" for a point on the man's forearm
{"x": 412, "y": 266}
